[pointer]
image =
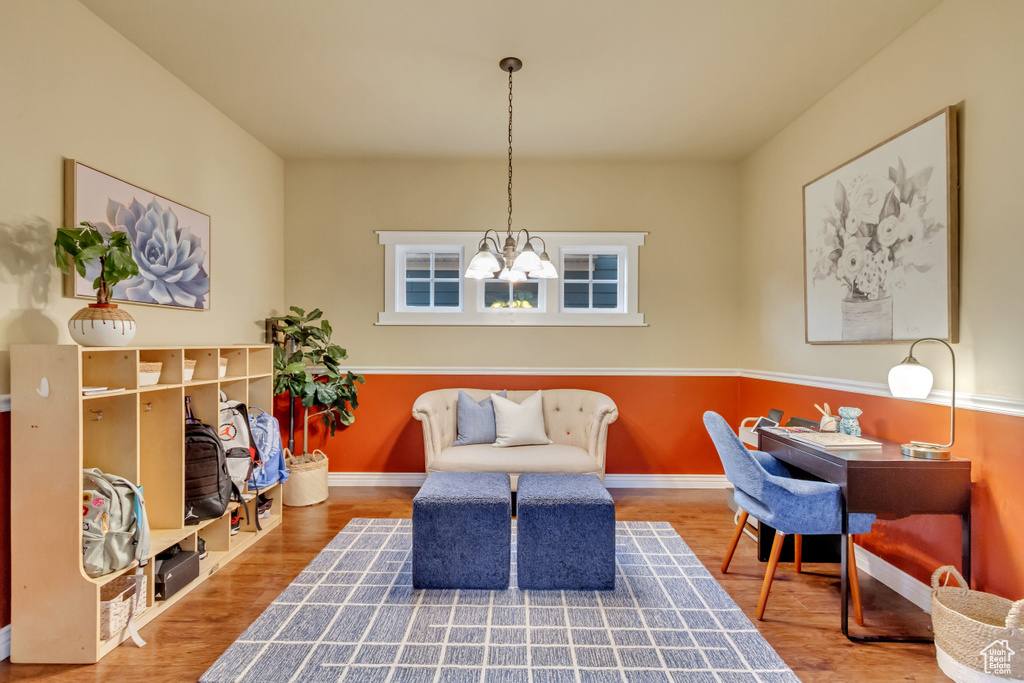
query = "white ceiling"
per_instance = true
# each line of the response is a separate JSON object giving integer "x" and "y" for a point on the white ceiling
{"x": 693, "y": 79}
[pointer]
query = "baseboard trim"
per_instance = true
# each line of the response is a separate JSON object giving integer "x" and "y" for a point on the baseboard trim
{"x": 917, "y": 592}
{"x": 612, "y": 481}
{"x": 5, "y": 642}
{"x": 666, "y": 481}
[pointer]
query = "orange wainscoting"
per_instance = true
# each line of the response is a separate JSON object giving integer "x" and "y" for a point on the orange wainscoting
{"x": 995, "y": 445}
{"x": 659, "y": 429}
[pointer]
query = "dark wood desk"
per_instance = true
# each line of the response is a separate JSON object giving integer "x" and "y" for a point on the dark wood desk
{"x": 885, "y": 483}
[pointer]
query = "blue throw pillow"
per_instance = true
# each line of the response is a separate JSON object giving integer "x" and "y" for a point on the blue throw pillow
{"x": 475, "y": 420}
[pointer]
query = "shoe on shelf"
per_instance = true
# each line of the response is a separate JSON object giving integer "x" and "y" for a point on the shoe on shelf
{"x": 236, "y": 523}
{"x": 201, "y": 547}
{"x": 263, "y": 509}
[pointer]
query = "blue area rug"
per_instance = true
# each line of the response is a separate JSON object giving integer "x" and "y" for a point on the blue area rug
{"x": 352, "y": 615}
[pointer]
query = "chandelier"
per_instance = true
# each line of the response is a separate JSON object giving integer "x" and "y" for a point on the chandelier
{"x": 516, "y": 263}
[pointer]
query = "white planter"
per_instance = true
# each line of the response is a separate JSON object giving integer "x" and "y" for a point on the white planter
{"x": 102, "y": 325}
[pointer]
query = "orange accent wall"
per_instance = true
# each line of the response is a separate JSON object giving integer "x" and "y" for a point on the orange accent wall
{"x": 918, "y": 545}
{"x": 659, "y": 429}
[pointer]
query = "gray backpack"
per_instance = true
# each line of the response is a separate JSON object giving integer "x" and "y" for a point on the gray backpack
{"x": 115, "y": 530}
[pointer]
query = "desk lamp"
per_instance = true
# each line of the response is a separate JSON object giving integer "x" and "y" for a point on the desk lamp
{"x": 910, "y": 379}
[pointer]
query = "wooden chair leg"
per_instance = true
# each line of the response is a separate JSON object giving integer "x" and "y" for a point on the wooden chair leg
{"x": 798, "y": 550}
{"x": 735, "y": 540}
{"x": 769, "y": 573}
{"x": 858, "y": 611}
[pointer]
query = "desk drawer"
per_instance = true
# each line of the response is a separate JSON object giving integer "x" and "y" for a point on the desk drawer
{"x": 813, "y": 464}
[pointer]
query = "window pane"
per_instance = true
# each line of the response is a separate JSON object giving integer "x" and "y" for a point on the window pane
{"x": 417, "y": 266}
{"x": 577, "y": 267}
{"x": 576, "y": 295}
{"x": 606, "y": 267}
{"x": 496, "y": 294}
{"x": 446, "y": 266}
{"x": 525, "y": 294}
{"x": 606, "y": 295}
{"x": 417, "y": 293}
{"x": 446, "y": 294}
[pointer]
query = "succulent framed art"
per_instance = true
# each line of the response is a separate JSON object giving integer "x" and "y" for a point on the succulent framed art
{"x": 170, "y": 242}
{"x": 881, "y": 241}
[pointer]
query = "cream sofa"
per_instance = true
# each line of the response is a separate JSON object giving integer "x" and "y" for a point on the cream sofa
{"x": 576, "y": 421}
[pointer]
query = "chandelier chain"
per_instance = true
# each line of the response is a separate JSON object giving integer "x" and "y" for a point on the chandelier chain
{"x": 510, "y": 151}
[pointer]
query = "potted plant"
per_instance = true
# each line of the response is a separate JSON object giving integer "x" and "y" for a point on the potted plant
{"x": 101, "y": 323}
{"x": 308, "y": 369}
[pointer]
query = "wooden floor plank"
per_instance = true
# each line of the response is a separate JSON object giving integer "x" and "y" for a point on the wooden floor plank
{"x": 801, "y": 622}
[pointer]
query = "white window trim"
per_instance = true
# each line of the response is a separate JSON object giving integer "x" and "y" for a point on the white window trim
{"x": 401, "y": 250}
{"x": 472, "y": 291}
{"x": 621, "y": 287}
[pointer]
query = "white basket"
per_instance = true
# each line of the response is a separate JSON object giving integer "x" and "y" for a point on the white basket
{"x": 190, "y": 369}
{"x": 149, "y": 373}
{"x": 222, "y": 368}
{"x": 116, "y": 600}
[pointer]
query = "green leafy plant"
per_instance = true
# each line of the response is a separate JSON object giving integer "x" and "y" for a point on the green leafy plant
{"x": 85, "y": 243}
{"x": 333, "y": 390}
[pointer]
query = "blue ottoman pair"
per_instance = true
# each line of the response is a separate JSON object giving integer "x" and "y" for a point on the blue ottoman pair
{"x": 462, "y": 532}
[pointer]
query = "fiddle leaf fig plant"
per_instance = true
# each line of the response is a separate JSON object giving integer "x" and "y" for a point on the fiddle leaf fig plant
{"x": 83, "y": 244}
{"x": 312, "y": 371}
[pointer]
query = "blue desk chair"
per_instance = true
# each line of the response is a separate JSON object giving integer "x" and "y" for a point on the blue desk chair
{"x": 766, "y": 490}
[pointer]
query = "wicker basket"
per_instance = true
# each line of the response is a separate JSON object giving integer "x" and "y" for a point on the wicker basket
{"x": 190, "y": 369}
{"x": 116, "y": 601}
{"x": 222, "y": 367}
{"x": 149, "y": 373}
{"x": 978, "y": 636}
{"x": 307, "y": 479}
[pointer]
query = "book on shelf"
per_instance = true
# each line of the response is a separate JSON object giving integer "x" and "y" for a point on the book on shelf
{"x": 836, "y": 440}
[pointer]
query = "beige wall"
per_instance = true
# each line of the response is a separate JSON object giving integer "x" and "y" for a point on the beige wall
{"x": 965, "y": 51}
{"x": 688, "y": 283}
{"x": 70, "y": 86}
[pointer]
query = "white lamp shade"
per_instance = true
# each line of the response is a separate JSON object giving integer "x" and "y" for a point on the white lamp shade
{"x": 512, "y": 275}
{"x": 910, "y": 380}
{"x": 545, "y": 272}
{"x": 479, "y": 274}
{"x": 527, "y": 261}
{"x": 483, "y": 260}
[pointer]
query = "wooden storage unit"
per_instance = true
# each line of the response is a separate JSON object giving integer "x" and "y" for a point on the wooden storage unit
{"x": 137, "y": 433}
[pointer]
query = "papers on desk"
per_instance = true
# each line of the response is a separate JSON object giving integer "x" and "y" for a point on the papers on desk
{"x": 835, "y": 440}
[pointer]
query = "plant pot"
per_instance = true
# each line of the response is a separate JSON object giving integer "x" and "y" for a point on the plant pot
{"x": 102, "y": 325}
{"x": 307, "y": 479}
{"x": 867, "y": 320}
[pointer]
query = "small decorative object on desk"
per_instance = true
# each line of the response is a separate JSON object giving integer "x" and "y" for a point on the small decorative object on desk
{"x": 149, "y": 373}
{"x": 849, "y": 424}
{"x": 829, "y": 422}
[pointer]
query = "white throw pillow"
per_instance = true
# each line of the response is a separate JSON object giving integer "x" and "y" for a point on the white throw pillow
{"x": 519, "y": 424}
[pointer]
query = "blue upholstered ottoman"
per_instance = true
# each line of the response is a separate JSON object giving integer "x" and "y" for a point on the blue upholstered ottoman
{"x": 462, "y": 531}
{"x": 565, "y": 533}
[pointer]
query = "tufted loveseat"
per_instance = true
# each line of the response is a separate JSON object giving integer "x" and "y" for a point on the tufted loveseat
{"x": 576, "y": 421}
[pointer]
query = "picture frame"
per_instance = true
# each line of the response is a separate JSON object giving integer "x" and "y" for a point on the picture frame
{"x": 170, "y": 241}
{"x": 881, "y": 241}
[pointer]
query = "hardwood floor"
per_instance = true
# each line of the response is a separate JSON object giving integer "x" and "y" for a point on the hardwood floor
{"x": 802, "y": 617}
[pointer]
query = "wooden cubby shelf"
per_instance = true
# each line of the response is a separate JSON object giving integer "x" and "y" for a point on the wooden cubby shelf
{"x": 137, "y": 433}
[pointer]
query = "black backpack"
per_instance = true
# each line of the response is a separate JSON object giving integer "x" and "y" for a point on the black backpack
{"x": 208, "y": 486}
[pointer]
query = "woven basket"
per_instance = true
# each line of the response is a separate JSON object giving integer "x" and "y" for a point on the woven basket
{"x": 190, "y": 369}
{"x": 116, "y": 600}
{"x": 149, "y": 373}
{"x": 307, "y": 479}
{"x": 978, "y": 636}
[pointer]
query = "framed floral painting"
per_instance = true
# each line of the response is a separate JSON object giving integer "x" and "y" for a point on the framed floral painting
{"x": 881, "y": 241}
{"x": 170, "y": 241}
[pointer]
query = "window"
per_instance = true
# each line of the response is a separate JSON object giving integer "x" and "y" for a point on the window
{"x": 424, "y": 282}
{"x": 525, "y": 296}
{"x": 592, "y": 279}
{"x": 431, "y": 278}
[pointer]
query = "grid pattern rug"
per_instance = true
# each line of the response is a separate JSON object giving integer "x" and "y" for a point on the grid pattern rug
{"x": 352, "y": 615}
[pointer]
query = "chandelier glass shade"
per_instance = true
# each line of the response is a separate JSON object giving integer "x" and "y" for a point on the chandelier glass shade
{"x": 517, "y": 259}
